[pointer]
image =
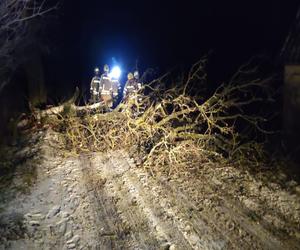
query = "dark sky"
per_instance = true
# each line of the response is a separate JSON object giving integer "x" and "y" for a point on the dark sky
{"x": 165, "y": 34}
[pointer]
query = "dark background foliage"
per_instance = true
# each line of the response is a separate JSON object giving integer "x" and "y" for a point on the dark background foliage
{"x": 165, "y": 34}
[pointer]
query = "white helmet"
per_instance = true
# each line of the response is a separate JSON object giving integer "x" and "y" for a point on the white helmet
{"x": 96, "y": 70}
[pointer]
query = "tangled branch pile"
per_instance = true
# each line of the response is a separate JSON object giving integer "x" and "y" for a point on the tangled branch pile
{"x": 169, "y": 128}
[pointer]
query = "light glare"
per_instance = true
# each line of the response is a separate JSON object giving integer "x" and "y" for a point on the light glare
{"x": 115, "y": 73}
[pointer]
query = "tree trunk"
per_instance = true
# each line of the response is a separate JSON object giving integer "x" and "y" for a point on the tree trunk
{"x": 292, "y": 106}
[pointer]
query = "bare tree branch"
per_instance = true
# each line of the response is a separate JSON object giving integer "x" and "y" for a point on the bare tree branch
{"x": 170, "y": 128}
{"x": 15, "y": 17}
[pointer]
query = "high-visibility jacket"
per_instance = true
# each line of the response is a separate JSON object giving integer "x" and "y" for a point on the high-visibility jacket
{"x": 105, "y": 86}
{"x": 95, "y": 83}
{"x": 115, "y": 87}
{"x": 131, "y": 87}
{"x": 108, "y": 86}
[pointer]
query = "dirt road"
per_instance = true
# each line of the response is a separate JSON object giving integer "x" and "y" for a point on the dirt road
{"x": 104, "y": 201}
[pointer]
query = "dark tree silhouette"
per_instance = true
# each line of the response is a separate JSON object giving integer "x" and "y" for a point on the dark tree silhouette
{"x": 15, "y": 20}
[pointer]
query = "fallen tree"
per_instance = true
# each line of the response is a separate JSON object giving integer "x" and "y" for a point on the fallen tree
{"x": 68, "y": 108}
{"x": 174, "y": 129}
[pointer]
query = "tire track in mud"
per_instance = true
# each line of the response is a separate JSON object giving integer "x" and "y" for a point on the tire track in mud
{"x": 171, "y": 212}
{"x": 104, "y": 201}
{"x": 143, "y": 203}
{"x": 111, "y": 234}
{"x": 153, "y": 215}
{"x": 140, "y": 222}
{"x": 161, "y": 213}
{"x": 125, "y": 227}
{"x": 197, "y": 231}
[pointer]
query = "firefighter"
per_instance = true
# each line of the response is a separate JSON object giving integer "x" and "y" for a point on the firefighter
{"x": 130, "y": 87}
{"x": 115, "y": 88}
{"x": 140, "y": 108}
{"x": 137, "y": 79}
{"x": 106, "y": 87}
{"x": 130, "y": 93}
{"x": 94, "y": 89}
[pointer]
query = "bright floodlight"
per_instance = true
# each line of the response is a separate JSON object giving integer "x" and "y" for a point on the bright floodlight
{"x": 115, "y": 72}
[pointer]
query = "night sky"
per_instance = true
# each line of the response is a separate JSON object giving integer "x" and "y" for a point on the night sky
{"x": 165, "y": 34}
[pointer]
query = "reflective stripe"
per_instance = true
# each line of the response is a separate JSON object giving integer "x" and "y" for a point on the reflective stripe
{"x": 96, "y": 81}
{"x": 105, "y": 92}
{"x": 106, "y": 78}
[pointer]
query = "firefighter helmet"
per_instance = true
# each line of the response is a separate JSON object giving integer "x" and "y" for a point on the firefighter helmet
{"x": 96, "y": 70}
{"x": 106, "y": 68}
{"x": 136, "y": 74}
{"x": 130, "y": 76}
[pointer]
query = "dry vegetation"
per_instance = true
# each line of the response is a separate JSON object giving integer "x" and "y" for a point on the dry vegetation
{"x": 171, "y": 128}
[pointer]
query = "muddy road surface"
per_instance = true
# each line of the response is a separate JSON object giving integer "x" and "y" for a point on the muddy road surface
{"x": 105, "y": 201}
